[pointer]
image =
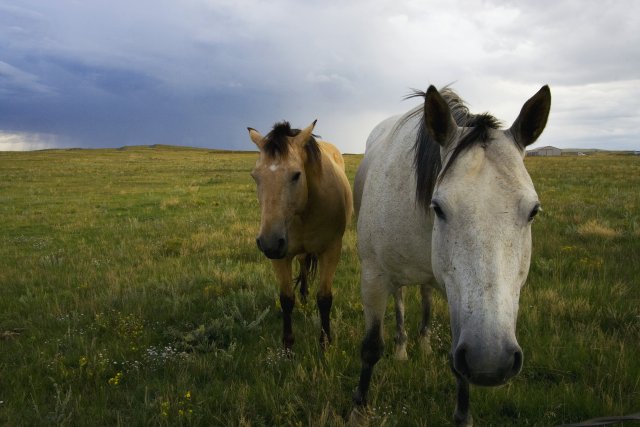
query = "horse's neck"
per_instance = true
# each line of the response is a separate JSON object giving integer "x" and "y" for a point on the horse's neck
{"x": 324, "y": 189}
{"x": 316, "y": 177}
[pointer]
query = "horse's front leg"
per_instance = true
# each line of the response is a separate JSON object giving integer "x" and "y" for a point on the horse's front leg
{"x": 425, "y": 323}
{"x": 375, "y": 293}
{"x": 462, "y": 416}
{"x": 282, "y": 268}
{"x": 401, "y": 334}
{"x": 327, "y": 263}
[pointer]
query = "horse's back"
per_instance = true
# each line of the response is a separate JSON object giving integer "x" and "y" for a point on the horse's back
{"x": 394, "y": 235}
{"x": 376, "y": 138}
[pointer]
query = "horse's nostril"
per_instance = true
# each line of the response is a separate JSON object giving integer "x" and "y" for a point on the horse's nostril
{"x": 258, "y": 243}
{"x": 281, "y": 243}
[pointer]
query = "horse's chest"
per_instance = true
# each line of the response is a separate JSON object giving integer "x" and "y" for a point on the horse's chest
{"x": 406, "y": 257}
{"x": 314, "y": 235}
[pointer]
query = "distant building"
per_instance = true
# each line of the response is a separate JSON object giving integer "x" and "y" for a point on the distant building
{"x": 545, "y": 151}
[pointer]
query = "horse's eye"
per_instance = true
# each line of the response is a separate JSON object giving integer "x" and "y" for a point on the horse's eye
{"x": 296, "y": 177}
{"x": 438, "y": 210}
{"x": 534, "y": 212}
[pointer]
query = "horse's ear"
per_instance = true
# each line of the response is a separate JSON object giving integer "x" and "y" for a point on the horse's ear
{"x": 305, "y": 134}
{"x": 256, "y": 137}
{"x": 532, "y": 118}
{"x": 438, "y": 119}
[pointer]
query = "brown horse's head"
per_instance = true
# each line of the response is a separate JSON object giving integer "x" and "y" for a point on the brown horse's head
{"x": 286, "y": 157}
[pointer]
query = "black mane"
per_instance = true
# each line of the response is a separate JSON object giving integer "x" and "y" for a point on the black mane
{"x": 427, "y": 161}
{"x": 276, "y": 143}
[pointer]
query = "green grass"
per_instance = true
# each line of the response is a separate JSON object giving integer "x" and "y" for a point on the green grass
{"x": 131, "y": 293}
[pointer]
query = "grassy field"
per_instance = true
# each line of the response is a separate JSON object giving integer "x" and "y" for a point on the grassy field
{"x": 132, "y": 293}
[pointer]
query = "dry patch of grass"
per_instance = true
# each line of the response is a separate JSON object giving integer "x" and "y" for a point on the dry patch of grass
{"x": 169, "y": 203}
{"x": 595, "y": 228}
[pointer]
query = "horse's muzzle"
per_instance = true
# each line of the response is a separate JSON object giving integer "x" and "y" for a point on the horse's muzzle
{"x": 274, "y": 247}
{"x": 485, "y": 371}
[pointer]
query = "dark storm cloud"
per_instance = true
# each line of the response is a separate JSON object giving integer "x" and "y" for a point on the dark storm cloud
{"x": 96, "y": 74}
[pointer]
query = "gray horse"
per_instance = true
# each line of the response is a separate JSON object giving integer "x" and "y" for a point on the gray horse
{"x": 444, "y": 201}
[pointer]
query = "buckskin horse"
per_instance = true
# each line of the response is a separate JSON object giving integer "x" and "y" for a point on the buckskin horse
{"x": 306, "y": 205}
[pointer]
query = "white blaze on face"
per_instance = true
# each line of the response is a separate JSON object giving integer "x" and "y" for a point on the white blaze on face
{"x": 273, "y": 167}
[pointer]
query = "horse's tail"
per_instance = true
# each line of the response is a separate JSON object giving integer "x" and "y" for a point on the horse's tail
{"x": 308, "y": 270}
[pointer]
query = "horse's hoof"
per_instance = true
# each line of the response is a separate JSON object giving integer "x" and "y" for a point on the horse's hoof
{"x": 463, "y": 421}
{"x": 287, "y": 342}
{"x": 425, "y": 345}
{"x": 359, "y": 416}
{"x": 325, "y": 341}
{"x": 358, "y": 399}
{"x": 401, "y": 353}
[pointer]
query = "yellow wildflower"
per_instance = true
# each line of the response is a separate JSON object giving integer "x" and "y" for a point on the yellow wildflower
{"x": 114, "y": 381}
{"x": 164, "y": 408}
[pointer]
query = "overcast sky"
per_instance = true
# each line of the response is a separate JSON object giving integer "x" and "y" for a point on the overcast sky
{"x": 198, "y": 72}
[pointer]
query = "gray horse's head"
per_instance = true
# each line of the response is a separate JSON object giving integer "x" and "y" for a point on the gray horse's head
{"x": 483, "y": 202}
